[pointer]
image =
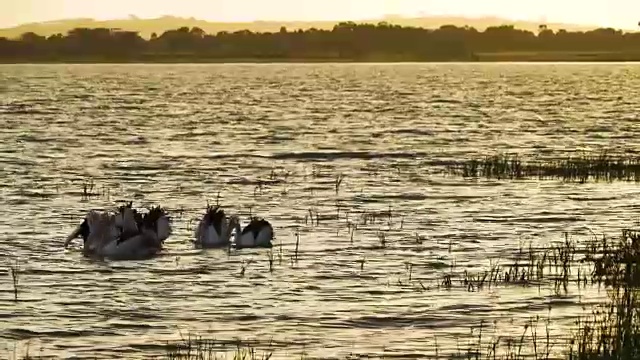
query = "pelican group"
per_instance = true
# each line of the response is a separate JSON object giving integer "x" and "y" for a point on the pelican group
{"x": 215, "y": 229}
{"x": 128, "y": 234}
{"x": 125, "y": 235}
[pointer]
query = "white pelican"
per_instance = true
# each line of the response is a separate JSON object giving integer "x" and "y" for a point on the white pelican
{"x": 257, "y": 234}
{"x": 97, "y": 229}
{"x": 214, "y": 230}
{"x": 123, "y": 236}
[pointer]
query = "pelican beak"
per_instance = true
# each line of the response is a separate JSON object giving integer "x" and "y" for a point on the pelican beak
{"x": 73, "y": 235}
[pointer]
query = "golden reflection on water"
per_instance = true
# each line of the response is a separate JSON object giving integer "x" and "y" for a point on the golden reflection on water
{"x": 271, "y": 139}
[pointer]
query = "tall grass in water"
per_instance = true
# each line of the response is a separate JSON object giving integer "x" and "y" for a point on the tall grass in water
{"x": 614, "y": 330}
{"x": 601, "y": 167}
{"x": 197, "y": 348}
{"x": 611, "y": 332}
{"x": 14, "y": 270}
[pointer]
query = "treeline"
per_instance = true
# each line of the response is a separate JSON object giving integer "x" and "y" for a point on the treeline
{"x": 345, "y": 42}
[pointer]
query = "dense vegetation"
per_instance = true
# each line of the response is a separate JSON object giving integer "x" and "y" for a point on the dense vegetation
{"x": 345, "y": 42}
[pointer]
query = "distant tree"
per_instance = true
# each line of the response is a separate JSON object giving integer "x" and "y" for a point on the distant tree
{"x": 197, "y": 32}
{"x": 347, "y": 40}
{"x": 31, "y": 37}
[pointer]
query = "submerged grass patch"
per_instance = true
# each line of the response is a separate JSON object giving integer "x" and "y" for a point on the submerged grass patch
{"x": 583, "y": 168}
{"x": 613, "y": 332}
{"x": 198, "y": 348}
{"x": 556, "y": 266}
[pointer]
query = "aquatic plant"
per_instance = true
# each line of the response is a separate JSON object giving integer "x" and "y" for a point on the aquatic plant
{"x": 352, "y": 230}
{"x": 297, "y": 246}
{"x": 382, "y": 238}
{"x": 613, "y": 332}
{"x": 313, "y": 215}
{"x": 362, "y": 262}
{"x": 197, "y": 348}
{"x": 270, "y": 258}
{"x": 243, "y": 267}
{"x": 14, "y": 270}
{"x": 87, "y": 188}
{"x": 338, "y": 182}
{"x": 217, "y": 199}
{"x": 558, "y": 265}
{"x": 615, "y": 261}
{"x": 582, "y": 168}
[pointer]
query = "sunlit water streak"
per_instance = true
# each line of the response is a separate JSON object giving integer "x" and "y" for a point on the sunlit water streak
{"x": 179, "y": 134}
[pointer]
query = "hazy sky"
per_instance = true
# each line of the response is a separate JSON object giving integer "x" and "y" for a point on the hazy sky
{"x": 617, "y": 13}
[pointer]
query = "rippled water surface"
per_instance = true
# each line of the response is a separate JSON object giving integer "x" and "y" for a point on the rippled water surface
{"x": 271, "y": 139}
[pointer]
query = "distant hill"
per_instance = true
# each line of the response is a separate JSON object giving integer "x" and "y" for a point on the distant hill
{"x": 159, "y": 25}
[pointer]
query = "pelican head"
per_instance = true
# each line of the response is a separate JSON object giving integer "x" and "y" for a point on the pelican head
{"x": 96, "y": 225}
{"x": 82, "y": 230}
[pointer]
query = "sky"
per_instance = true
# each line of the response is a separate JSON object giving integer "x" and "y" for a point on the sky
{"x": 615, "y": 13}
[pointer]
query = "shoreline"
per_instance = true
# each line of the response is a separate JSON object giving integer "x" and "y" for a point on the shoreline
{"x": 502, "y": 57}
{"x": 302, "y": 62}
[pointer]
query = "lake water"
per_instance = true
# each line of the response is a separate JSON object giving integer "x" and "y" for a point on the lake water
{"x": 177, "y": 135}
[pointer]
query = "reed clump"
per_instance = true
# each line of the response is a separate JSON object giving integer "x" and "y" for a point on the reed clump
{"x": 197, "y": 348}
{"x": 583, "y": 168}
{"x": 604, "y": 261}
{"x": 615, "y": 262}
{"x": 613, "y": 331}
{"x": 529, "y": 344}
{"x": 559, "y": 264}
